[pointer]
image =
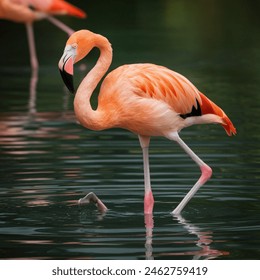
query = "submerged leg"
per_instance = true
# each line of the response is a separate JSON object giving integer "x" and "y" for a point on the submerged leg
{"x": 148, "y": 195}
{"x": 92, "y": 198}
{"x": 31, "y": 42}
{"x": 206, "y": 173}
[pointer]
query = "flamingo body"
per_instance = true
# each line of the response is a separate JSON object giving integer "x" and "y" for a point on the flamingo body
{"x": 147, "y": 99}
{"x": 170, "y": 102}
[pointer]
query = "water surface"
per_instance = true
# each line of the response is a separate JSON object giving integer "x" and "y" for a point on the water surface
{"x": 48, "y": 161}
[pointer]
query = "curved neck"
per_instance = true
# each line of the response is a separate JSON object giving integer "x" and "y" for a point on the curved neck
{"x": 85, "y": 114}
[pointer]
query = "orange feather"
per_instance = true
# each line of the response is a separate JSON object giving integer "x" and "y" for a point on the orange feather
{"x": 63, "y": 7}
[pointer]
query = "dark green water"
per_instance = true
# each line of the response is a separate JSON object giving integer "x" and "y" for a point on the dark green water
{"x": 48, "y": 161}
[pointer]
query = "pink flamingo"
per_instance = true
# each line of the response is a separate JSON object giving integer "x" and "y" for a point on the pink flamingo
{"x": 20, "y": 11}
{"x": 146, "y": 99}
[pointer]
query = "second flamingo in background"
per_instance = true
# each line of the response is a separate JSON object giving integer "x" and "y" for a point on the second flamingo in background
{"x": 28, "y": 11}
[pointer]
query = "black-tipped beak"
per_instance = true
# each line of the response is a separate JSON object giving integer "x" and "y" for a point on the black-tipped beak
{"x": 66, "y": 69}
{"x": 68, "y": 80}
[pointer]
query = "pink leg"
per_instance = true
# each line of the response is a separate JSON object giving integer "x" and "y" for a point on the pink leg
{"x": 148, "y": 195}
{"x": 60, "y": 25}
{"x": 206, "y": 173}
{"x": 31, "y": 42}
{"x": 148, "y": 202}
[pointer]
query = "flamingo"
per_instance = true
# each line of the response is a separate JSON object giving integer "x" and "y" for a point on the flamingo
{"x": 146, "y": 99}
{"x": 20, "y": 11}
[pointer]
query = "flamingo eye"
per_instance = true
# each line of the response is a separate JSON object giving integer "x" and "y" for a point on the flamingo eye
{"x": 74, "y": 46}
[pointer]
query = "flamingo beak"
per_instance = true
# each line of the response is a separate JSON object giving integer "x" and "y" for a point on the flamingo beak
{"x": 66, "y": 64}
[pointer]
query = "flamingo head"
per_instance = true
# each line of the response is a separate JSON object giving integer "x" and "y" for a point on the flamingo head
{"x": 78, "y": 46}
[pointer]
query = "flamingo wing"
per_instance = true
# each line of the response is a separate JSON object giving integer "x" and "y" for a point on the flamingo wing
{"x": 163, "y": 84}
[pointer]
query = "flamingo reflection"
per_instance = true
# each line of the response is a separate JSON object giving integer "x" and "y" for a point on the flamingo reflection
{"x": 149, "y": 224}
{"x": 204, "y": 239}
{"x": 32, "y": 102}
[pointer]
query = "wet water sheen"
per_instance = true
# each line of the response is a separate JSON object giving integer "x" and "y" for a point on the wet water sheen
{"x": 48, "y": 161}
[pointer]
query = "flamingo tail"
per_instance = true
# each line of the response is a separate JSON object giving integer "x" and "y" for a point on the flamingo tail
{"x": 208, "y": 107}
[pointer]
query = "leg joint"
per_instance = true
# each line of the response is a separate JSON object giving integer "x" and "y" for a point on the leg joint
{"x": 206, "y": 173}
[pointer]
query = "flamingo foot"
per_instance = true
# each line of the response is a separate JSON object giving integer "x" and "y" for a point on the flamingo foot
{"x": 148, "y": 203}
{"x": 92, "y": 198}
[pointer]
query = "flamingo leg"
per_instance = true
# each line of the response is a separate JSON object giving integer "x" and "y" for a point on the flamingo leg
{"x": 92, "y": 198}
{"x": 60, "y": 25}
{"x": 31, "y": 42}
{"x": 148, "y": 194}
{"x": 33, "y": 92}
{"x": 206, "y": 173}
